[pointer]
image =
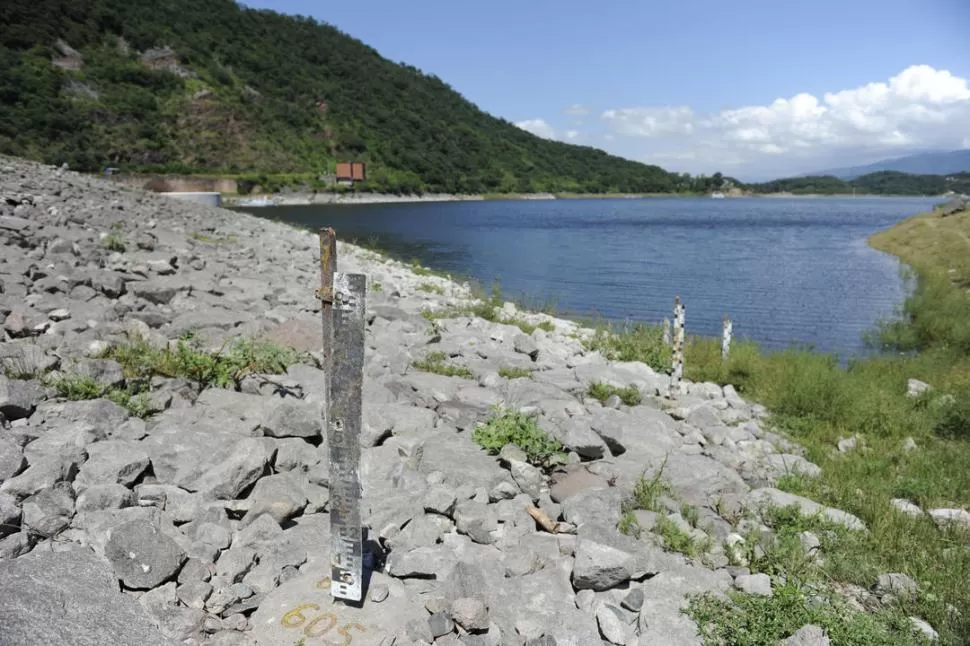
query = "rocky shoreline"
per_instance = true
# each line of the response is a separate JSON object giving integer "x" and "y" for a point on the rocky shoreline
{"x": 203, "y": 518}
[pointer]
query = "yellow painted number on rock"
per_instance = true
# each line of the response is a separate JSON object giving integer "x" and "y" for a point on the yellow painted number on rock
{"x": 345, "y": 633}
{"x": 332, "y": 618}
{"x": 294, "y": 618}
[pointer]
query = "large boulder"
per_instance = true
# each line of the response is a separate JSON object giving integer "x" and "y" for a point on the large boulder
{"x": 69, "y": 597}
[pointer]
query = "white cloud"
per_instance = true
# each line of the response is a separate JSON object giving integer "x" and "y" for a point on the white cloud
{"x": 572, "y": 134}
{"x": 576, "y": 110}
{"x": 919, "y": 108}
{"x": 537, "y": 127}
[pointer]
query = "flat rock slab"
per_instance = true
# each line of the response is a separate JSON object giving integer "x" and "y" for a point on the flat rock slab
{"x": 303, "y": 608}
{"x": 69, "y": 597}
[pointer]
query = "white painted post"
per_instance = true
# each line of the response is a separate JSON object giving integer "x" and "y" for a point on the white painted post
{"x": 666, "y": 332}
{"x": 726, "y": 338}
{"x": 677, "y": 371}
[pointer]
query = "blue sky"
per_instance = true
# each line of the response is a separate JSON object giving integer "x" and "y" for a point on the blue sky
{"x": 692, "y": 85}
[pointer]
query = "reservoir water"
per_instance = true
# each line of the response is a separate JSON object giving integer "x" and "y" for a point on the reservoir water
{"x": 784, "y": 270}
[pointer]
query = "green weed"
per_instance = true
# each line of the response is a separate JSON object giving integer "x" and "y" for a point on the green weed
{"x": 431, "y": 288}
{"x": 222, "y": 369}
{"x": 515, "y": 373}
{"x": 630, "y": 395}
{"x": 435, "y": 363}
{"x": 513, "y": 427}
{"x": 114, "y": 242}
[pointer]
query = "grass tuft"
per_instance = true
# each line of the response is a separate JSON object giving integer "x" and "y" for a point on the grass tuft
{"x": 435, "y": 363}
{"x": 515, "y": 373}
{"x": 513, "y": 427}
{"x": 630, "y": 395}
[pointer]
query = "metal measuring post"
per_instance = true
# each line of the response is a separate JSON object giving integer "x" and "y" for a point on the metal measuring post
{"x": 677, "y": 358}
{"x": 342, "y": 296}
{"x": 727, "y": 329}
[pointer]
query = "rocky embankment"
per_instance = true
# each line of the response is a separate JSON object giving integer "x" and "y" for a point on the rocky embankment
{"x": 203, "y": 519}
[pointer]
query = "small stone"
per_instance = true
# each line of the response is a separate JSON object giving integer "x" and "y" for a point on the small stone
{"x": 60, "y": 314}
{"x": 526, "y": 345}
{"x": 909, "y": 444}
{"x": 847, "y": 444}
{"x": 379, "y": 592}
{"x": 946, "y": 517}
{"x": 757, "y": 584}
{"x": 611, "y": 626}
{"x": 440, "y": 624}
{"x": 810, "y": 543}
{"x": 142, "y": 556}
{"x": 895, "y": 583}
{"x": 906, "y": 507}
{"x": 470, "y": 613}
{"x": 925, "y": 628}
{"x": 808, "y": 635}
{"x": 419, "y": 630}
{"x": 440, "y": 500}
{"x": 915, "y": 387}
{"x": 633, "y": 601}
{"x": 601, "y": 567}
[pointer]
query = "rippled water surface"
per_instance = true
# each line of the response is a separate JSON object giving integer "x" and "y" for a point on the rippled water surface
{"x": 784, "y": 270}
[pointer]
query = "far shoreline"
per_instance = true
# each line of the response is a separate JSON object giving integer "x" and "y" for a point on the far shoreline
{"x": 317, "y": 199}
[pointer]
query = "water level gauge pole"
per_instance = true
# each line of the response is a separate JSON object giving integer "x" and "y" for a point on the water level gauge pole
{"x": 342, "y": 297}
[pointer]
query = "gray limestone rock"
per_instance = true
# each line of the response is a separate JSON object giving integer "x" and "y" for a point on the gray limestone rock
{"x": 760, "y": 498}
{"x": 440, "y": 500}
{"x": 808, "y": 635}
{"x": 611, "y": 626}
{"x": 10, "y": 513}
{"x": 241, "y": 468}
{"x": 282, "y": 496}
{"x": 526, "y": 345}
{"x": 601, "y": 567}
{"x": 48, "y": 512}
{"x": 142, "y": 556}
{"x": 12, "y": 459}
{"x": 174, "y": 621}
{"x": 104, "y": 496}
{"x": 293, "y": 419}
{"x": 44, "y": 474}
{"x": 18, "y": 399}
{"x": 440, "y": 624}
{"x": 470, "y": 613}
{"x": 895, "y": 583}
{"x": 757, "y": 584}
{"x": 113, "y": 462}
{"x": 78, "y": 588}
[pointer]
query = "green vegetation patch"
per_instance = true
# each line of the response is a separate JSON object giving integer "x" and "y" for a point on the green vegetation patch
{"x": 431, "y": 288}
{"x": 82, "y": 387}
{"x": 650, "y": 494}
{"x": 750, "y": 620}
{"x": 114, "y": 242}
{"x": 188, "y": 360}
{"x": 630, "y": 395}
{"x": 515, "y": 373}
{"x": 513, "y": 427}
{"x": 435, "y": 362}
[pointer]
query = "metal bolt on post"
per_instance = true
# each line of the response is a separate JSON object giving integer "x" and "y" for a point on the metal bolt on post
{"x": 343, "y": 297}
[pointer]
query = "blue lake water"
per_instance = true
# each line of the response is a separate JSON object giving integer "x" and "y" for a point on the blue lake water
{"x": 784, "y": 270}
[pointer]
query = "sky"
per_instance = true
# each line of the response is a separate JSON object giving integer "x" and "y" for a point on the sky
{"x": 755, "y": 89}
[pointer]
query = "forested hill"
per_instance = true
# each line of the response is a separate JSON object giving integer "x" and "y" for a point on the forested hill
{"x": 881, "y": 183}
{"x": 193, "y": 85}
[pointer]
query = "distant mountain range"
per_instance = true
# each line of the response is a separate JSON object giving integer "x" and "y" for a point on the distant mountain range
{"x": 936, "y": 163}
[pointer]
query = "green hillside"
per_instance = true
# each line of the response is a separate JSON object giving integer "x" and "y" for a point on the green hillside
{"x": 878, "y": 183}
{"x": 91, "y": 83}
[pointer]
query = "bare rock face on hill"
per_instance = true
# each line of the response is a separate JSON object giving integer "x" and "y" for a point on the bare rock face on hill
{"x": 199, "y": 515}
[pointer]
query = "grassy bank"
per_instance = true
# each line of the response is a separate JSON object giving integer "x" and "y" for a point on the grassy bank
{"x": 817, "y": 403}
